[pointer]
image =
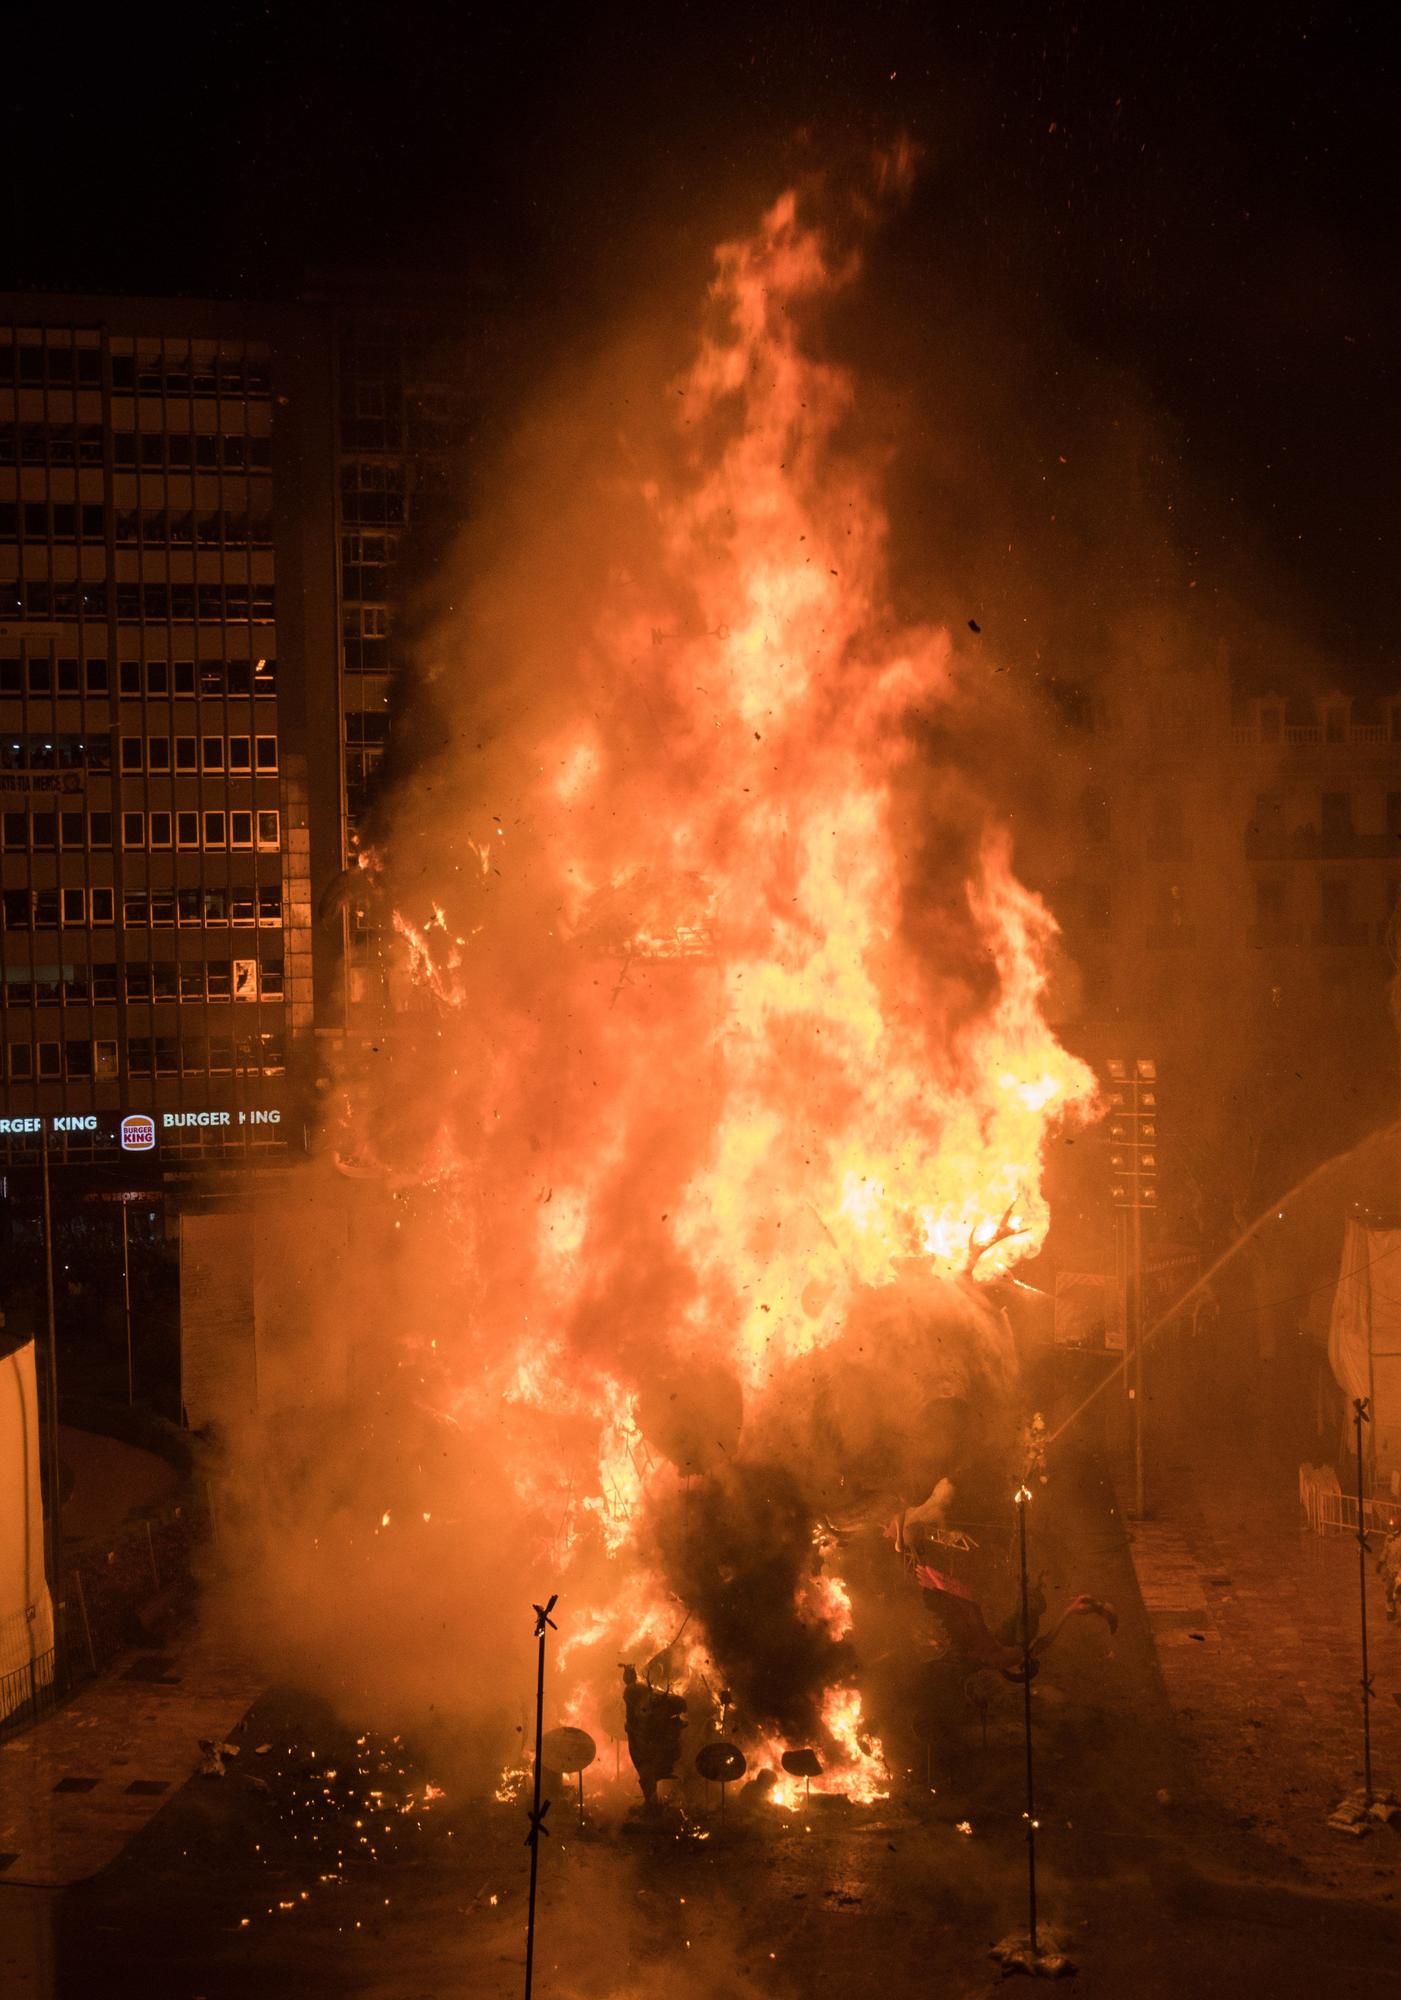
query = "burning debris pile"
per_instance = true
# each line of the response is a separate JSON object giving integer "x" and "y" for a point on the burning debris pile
{"x": 727, "y": 1085}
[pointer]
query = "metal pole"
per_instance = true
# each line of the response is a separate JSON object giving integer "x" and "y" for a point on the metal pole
{"x": 126, "y": 1306}
{"x": 1136, "y": 1281}
{"x": 1360, "y": 1407}
{"x": 538, "y": 1811}
{"x": 51, "y": 1487}
{"x": 1028, "y": 1669}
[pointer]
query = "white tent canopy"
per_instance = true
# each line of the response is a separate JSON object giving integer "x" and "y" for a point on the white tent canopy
{"x": 26, "y": 1614}
{"x": 1364, "y": 1334}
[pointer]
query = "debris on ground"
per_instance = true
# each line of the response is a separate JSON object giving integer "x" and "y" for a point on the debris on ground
{"x": 1356, "y": 1817}
{"x": 1046, "y": 1959}
{"x": 211, "y": 1762}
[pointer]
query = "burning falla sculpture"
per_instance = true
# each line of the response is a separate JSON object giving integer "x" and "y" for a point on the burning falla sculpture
{"x": 737, "y": 1079}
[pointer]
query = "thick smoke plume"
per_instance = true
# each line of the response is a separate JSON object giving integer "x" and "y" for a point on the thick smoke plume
{"x": 715, "y": 1080}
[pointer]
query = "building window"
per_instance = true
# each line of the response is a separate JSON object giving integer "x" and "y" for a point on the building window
{"x": 74, "y": 906}
{"x": 21, "y": 1061}
{"x": 269, "y": 829}
{"x": 103, "y": 903}
{"x": 50, "y": 1059}
{"x": 160, "y": 826}
{"x": 131, "y": 751}
{"x": 104, "y": 1059}
{"x": 265, "y": 749}
{"x": 240, "y": 753}
{"x": 100, "y": 829}
{"x": 1337, "y": 821}
{"x": 212, "y": 753}
{"x": 214, "y": 833}
{"x": 187, "y": 829}
{"x": 186, "y": 753}
{"x": 240, "y": 829}
{"x": 133, "y": 829}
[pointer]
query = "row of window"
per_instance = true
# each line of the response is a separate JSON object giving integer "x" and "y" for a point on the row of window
{"x": 41, "y": 675}
{"x": 205, "y": 603}
{"x": 181, "y": 377}
{"x": 145, "y": 451}
{"x": 1090, "y": 904}
{"x": 203, "y": 677}
{"x": 32, "y": 364}
{"x": 52, "y": 444}
{"x": 207, "y": 830}
{"x": 55, "y": 752}
{"x": 205, "y": 904}
{"x": 239, "y": 754}
{"x": 62, "y": 521}
{"x": 1167, "y": 831}
{"x": 186, "y": 451}
{"x": 148, "y": 1055}
{"x": 43, "y": 832}
{"x": 166, "y": 979}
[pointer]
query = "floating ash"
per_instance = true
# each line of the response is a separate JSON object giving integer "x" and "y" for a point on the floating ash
{"x": 718, "y": 1087}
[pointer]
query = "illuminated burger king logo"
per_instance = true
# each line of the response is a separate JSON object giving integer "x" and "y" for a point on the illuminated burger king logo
{"x": 138, "y": 1133}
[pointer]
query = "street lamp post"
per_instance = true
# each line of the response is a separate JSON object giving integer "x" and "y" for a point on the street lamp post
{"x": 51, "y": 1482}
{"x": 1132, "y": 1094}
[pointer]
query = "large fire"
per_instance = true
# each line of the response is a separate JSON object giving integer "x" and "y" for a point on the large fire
{"x": 734, "y": 1083}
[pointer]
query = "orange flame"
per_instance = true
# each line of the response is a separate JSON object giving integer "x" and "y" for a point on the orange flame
{"x": 774, "y": 1081}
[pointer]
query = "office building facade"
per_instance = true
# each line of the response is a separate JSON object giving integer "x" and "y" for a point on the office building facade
{"x": 167, "y": 706}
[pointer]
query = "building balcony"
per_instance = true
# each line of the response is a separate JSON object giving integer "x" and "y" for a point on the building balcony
{"x": 1309, "y": 735}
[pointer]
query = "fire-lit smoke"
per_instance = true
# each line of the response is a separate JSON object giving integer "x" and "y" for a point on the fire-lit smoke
{"x": 724, "y": 1084}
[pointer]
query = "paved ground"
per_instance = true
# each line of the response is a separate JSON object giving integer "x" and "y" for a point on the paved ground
{"x": 78, "y": 1785}
{"x": 327, "y": 1867}
{"x": 1257, "y": 1629}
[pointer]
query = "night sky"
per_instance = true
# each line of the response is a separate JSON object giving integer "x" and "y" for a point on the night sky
{"x": 1192, "y": 200}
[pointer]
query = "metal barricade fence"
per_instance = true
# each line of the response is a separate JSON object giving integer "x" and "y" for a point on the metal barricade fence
{"x": 1329, "y": 1510}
